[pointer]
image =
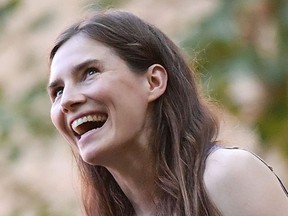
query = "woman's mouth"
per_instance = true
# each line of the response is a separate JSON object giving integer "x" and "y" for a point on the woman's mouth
{"x": 87, "y": 123}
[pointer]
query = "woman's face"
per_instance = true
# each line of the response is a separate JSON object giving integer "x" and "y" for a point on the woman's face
{"x": 98, "y": 104}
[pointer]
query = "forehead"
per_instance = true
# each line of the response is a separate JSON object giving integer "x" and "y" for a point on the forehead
{"x": 76, "y": 50}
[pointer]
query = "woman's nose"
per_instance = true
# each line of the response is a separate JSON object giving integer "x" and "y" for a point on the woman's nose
{"x": 71, "y": 99}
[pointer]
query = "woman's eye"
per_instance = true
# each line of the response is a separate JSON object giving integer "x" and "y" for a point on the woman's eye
{"x": 58, "y": 92}
{"x": 91, "y": 71}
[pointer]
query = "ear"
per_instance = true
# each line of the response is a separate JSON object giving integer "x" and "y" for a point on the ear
{"x": 157, "y": 80}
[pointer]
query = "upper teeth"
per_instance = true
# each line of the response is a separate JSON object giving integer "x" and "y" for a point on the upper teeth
{"x": 91, "y": 118}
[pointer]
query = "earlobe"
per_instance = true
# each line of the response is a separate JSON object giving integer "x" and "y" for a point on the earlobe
{"x": 157, "y": 79}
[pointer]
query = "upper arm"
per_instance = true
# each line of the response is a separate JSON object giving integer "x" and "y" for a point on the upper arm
{"x": 240, "y": 184}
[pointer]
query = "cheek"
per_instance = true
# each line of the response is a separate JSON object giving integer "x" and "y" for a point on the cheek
{"x": 132, "y": 110}
{"x": 58, "y": 121}
{"x": 56, "y": 118}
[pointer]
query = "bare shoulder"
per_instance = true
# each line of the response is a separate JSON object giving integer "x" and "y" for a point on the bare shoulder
{"x": 241, "y": 184}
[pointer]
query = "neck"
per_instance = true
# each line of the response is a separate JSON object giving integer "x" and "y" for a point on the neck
{"x": 135, "y": 175}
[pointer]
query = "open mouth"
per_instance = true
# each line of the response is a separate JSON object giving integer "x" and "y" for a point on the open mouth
{"x": 87, "y": 123}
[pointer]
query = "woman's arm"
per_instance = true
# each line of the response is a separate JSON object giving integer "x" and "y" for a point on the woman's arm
{"x": 240, "y": 184}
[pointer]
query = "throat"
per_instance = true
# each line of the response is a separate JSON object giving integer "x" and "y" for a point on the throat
{"x": 136, "y": 180}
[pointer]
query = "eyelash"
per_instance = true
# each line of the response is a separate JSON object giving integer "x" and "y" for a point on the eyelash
{"x": 56, "y": 91}
{"x": 88, "y": 71}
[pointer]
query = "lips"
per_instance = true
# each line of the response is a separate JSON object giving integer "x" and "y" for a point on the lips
{"x": 87, "y": 123}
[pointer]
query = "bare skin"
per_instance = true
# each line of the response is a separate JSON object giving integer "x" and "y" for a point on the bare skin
{"x": 240, "y": 184}
{"x": 136, "y": 179}
{"x": 88, "y": 80}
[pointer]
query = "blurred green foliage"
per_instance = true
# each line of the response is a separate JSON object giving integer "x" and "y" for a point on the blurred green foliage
{"x": 30, "y": 113}
{"x": 227, "y": 42}
{"x": 6, "y": 9}
{"x": 6, "y": 118}
{"x": 42, "y": 21}
{"x": 223, "y": 43}
{"x": 36, "y": 121}
{"x": 105, "y": 4}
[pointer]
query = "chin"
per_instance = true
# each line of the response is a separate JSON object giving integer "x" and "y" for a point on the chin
{"x": 93, "y": 157}
{"x": 88, "y": 158}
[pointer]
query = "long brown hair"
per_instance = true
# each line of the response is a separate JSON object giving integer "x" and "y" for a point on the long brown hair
{"x": 184, "y": 128}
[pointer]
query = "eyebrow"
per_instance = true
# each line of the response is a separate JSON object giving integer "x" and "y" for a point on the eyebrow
{"x": 75, "y": 70}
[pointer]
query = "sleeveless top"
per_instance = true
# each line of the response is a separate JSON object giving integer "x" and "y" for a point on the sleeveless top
{"x": 216, "y": 146}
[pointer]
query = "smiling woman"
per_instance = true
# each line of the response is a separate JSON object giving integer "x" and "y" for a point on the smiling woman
{"x": 143, "y": 136}
{"x": 98, "y": 110}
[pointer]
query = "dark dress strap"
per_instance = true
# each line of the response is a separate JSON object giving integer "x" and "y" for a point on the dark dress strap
{"x": 216, "y": 146}
{"x": 271, "y": 168}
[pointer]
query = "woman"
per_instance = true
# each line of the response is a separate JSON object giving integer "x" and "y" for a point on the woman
{"x": 143, "y": 136}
